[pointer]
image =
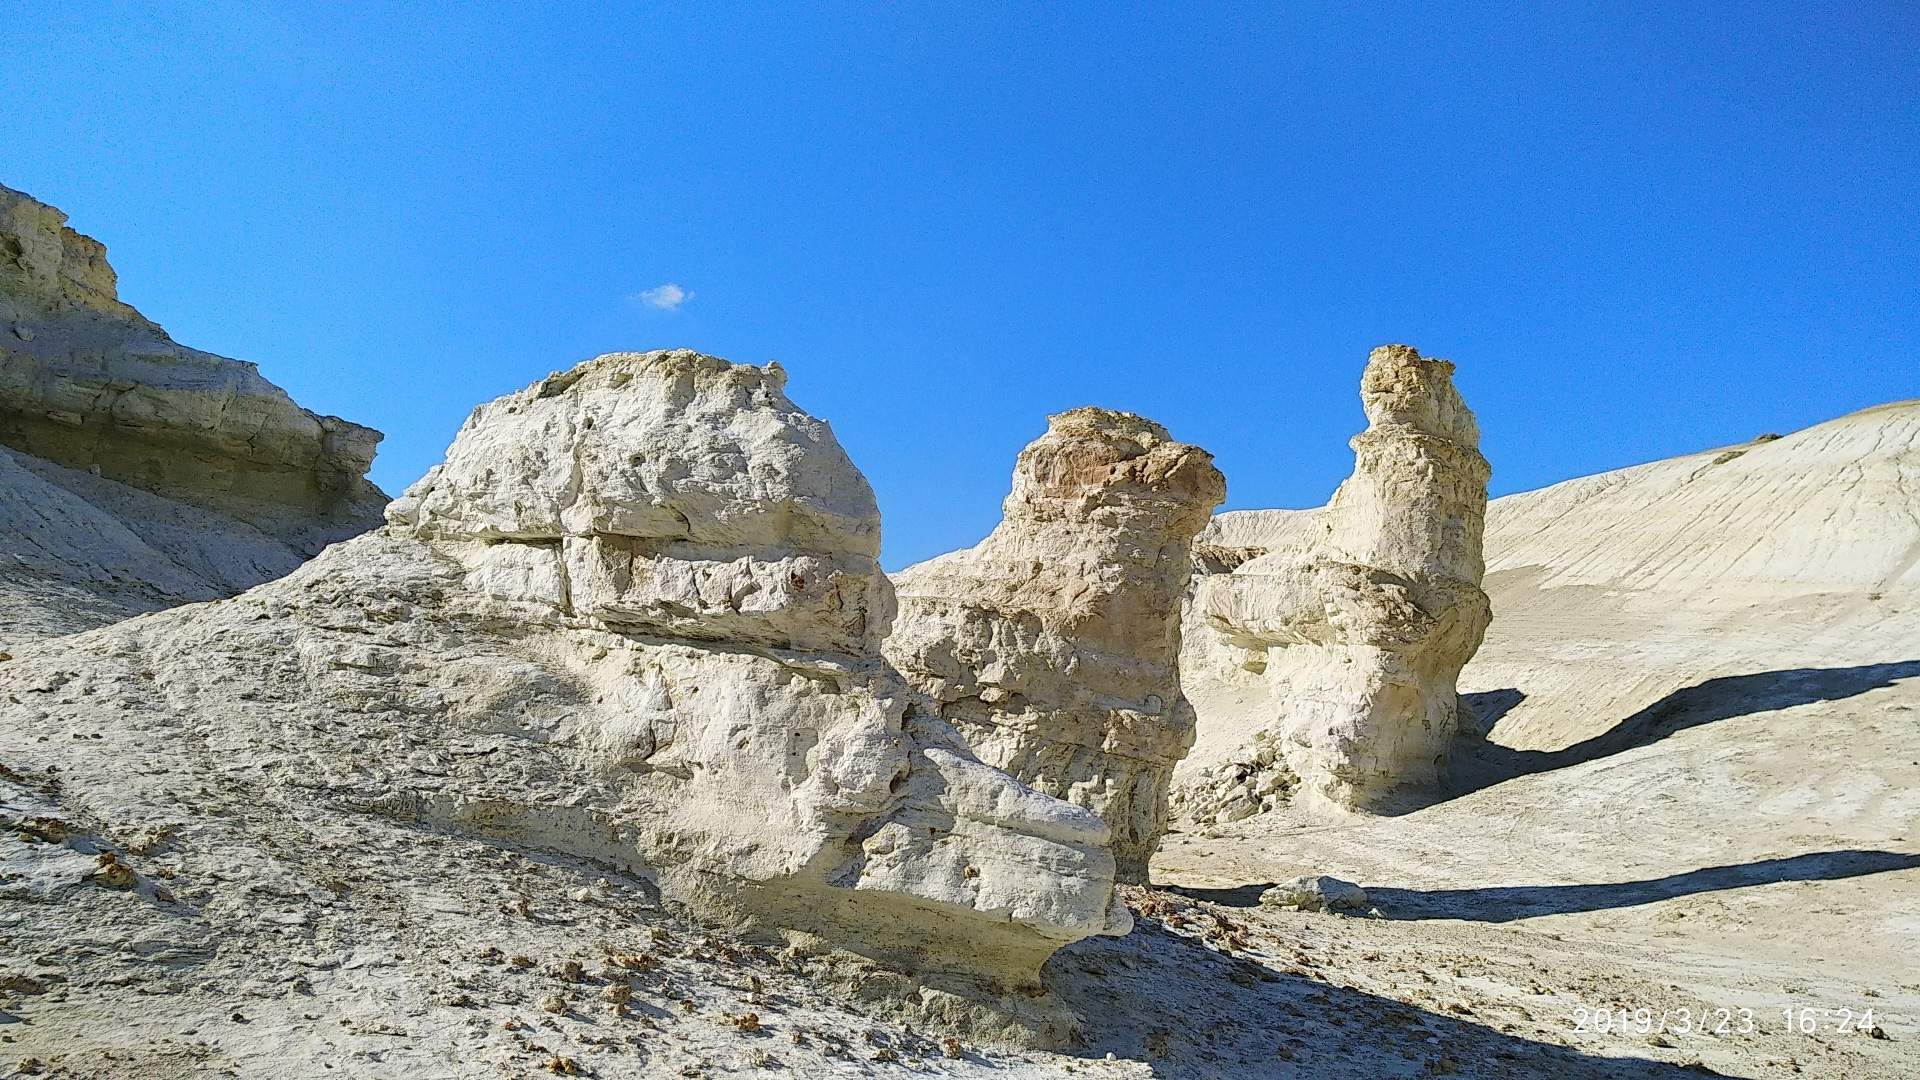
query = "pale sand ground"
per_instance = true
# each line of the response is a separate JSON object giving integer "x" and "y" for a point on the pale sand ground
{"x": 1753, "y": 863}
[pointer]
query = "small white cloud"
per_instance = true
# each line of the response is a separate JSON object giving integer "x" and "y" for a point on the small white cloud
{"x": 667, "y": 297}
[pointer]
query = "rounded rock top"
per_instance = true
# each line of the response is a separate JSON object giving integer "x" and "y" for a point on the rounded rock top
{"x": 671, "y": 445}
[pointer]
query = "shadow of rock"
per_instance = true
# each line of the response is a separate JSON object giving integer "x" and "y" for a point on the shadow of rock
{"x": 1506, "y": 903}
{"x": 1478, "y": 764}
{"x": 1241, "y": 896}
{"x": 1479, "y": 712}
{"x": 1522, "y": 902}
{"x": 1188, "y": 1011}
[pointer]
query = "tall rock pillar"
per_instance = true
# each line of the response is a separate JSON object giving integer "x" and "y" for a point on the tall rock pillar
{"x": 1365, "y": 622}
{"x": 1054, "y": 644}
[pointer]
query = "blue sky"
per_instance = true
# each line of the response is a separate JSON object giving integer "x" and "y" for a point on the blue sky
{"x": 1639, "y": 230}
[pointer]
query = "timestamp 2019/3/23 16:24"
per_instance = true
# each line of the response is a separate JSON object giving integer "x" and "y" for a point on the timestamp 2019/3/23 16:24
{"x": 1710, "y": 1020}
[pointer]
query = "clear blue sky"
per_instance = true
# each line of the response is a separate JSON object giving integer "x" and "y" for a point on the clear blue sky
{"x": 1639, "y": 231}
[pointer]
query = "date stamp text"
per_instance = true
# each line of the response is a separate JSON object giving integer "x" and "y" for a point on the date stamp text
{"x": 1711, "y": 1020}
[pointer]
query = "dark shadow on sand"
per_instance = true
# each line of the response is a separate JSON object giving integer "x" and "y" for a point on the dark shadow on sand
{"x": 1479, "y": 764}
{"x": 1479, "y": 712}
{"x": 1522, "y": 902}
{"x": 1507, "y": 903}
{"x": 1191, "y": 1013}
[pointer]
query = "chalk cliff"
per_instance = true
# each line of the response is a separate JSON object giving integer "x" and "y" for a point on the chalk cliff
{"x": 143, "y": 473}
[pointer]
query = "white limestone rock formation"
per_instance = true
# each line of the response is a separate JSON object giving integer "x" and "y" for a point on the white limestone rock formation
{"x": 86, "y": 381}
{"x": 671, "y": 496}
{"x": 633, "y": 618}
{"x": 142, "y": 473}
{"x": 1053, "y": 644}
{"x": 1236, "y": 769}
{"x": 1356, "y": 618}
{"x": 1703, "y": 667}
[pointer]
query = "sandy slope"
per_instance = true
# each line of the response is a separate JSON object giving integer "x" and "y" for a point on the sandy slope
{"x": 1703, "y": 774}
{"x": 79, "y": 551}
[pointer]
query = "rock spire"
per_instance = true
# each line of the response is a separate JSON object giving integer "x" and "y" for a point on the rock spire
{"x": 1362, "y": 615}
{"x": 1053, "y": 645}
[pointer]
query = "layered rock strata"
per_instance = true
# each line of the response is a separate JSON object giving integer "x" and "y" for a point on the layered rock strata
{"x": 633, "y": 618}
{"x": 89, "y": 384}
{"x": 1356, "y": 617}
{"x": 1053, "y": 645}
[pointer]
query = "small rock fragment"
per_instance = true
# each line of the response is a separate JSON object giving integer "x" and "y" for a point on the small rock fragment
{"x": 113, "y": 873}
{"x": 1313, "y": 893}
{"x": 748, "y": 1023}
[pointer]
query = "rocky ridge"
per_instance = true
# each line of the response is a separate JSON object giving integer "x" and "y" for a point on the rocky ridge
{"x": 1783, "y": 553}
{"x": 141, "y": 473}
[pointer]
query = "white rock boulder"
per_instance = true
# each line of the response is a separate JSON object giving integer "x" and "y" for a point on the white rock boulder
{"x": 633, "y": 619}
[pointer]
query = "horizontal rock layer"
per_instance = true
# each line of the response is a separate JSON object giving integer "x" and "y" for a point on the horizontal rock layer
{"x": 87, "y": 383}
{"x": 623, "y": 651}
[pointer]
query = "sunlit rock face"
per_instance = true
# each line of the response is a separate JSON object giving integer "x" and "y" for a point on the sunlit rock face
{"x": 1353, "y": 620}
{"x": 682, "y": 513}
{"x": 635, "y": 618}
{"x": 1053, "y": 645}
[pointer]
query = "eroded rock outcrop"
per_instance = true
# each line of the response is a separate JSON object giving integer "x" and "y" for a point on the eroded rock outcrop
{"x": 87, "y": 383}
{"x": 634, "y": 618}
{"x": 1356, "y": 617}
{"x": 1053, "y": 645}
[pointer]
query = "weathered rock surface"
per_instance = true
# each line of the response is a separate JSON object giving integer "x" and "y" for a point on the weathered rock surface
{"x": 1356, "y": 618}
{"x": 679, "y": 497}
{"x": 86, "y": 382}
{"x": 634, "y": 619}
{"x": 136, "y": 474}
{"x": 1316, "y": 892}
{"x": 1053, "y": 644}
